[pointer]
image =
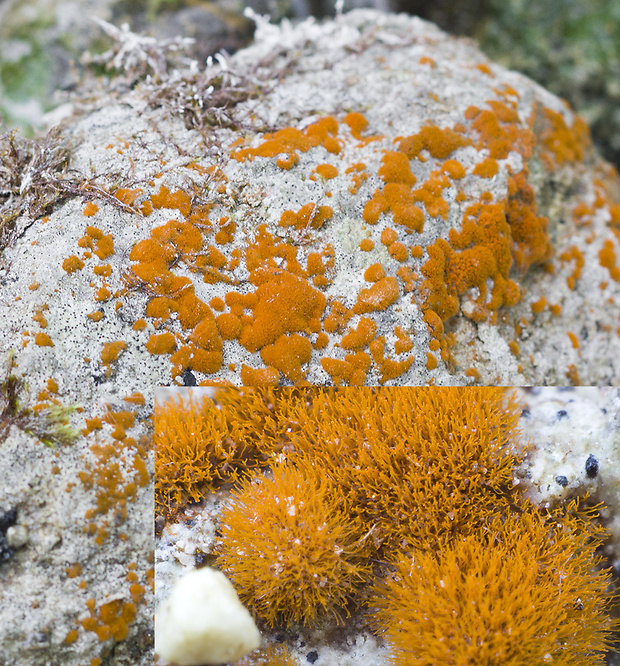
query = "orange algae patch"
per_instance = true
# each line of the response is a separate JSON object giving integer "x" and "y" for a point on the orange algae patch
{"x": 135, "y": 398}
{"x": 431, "y": 361}
{"x": 112, "y": 620}
{"x": 229, "y": 326}
{"x": 378, "y": 297}
{"x": 374, "y": 273}
{"x": 111, "y": 351}
{"x": 607, "y": 259}
{"x": 327, "y": 171}
{"x": 395, "y": 168}
{"x": 538, "y": 306}
{"x": 357, "y": 123}
{"x": 404, "y": 343}
{"x": 121, "y": 421}
{"x": 479, "y": 252}
{"x": 285, "y": 303}
{"x": 366, "y": 245}
{"x": 361, "y": 336}
{"x": 454, "y": 169}
{"x": 290, "y": 141}
{"x": 72, "y": 636}
{"x": 486, "y": 169}
{"x": 529, "y": 230}
{"x": 74, "y": 570}
{"x": 103, "y": 294}
{"x": 388, "y": 236}
{"x": 72, "y": 264}
{"x": 573, "y": 339}
{"x": 287, "y": 354}
{"x": 90, "y": 209}
{"x": 43, "y": 340}
{"x": 163, "y": 343}
{"x": 309, "y": 216}
{"x": 127, "y": 196}
{"x": 352, "y": 370}
{"x": 259, "y": 376}
{"x": 398, "y": 251}
{"x": 103, "y": 271}
{"x": 39, "y": 317}
{"x": 104, "y": 242}
{"x": 178, "y": 200}
{"x": 440, "y": 143}
{"x": 95, "y": 316}
{"x": 430, "y": 193}
{"x": 499, "y": 132}
{"x": 573, "y": 253}
{"x": 566, "y": 144}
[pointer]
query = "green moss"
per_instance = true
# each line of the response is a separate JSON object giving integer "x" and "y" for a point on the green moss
{"x": 50, "y": 425}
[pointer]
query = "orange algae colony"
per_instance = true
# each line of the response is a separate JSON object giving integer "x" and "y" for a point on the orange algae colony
{"x": 386, "y": 475}
{"x": 285, "y": 312}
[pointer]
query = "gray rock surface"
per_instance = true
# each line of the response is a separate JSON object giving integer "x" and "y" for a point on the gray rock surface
{"x": 493, "y": 248}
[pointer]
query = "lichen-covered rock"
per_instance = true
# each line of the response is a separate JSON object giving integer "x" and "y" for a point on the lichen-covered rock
{"x": 367, "y": 201}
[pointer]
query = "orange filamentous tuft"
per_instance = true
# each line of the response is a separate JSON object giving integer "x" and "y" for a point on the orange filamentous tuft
{"x": 525, "y": 591}
{"x": 421, "y": 465}
{"x": 289, "y": 548}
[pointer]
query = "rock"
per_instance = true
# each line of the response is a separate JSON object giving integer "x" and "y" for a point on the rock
{"x": 576, "y": 452}
{"x": 203, "y": 622}
{"x": 162, "y": 237}
{"x": 367, "y": 201}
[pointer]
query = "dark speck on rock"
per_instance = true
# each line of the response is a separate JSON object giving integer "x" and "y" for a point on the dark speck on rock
{"x": 562, "y": 481}
{"x": 592, "y": 466}
{"x": 311, "y": 657}
{"x": 188, "y": 378}
{"x": 525, "y": 412}
{"x": 562, "y": 414}
{"x": 98, "y": 378}
{"x": 7, "y": 518}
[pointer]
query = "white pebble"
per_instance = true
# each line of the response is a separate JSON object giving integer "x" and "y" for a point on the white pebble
{"x": 203, "y": 622}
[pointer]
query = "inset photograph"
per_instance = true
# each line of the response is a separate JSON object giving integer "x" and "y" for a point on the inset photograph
{"x": 370, "y": 526}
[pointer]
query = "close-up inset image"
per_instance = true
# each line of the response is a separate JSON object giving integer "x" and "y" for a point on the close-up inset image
{"x": 387, "y": 526}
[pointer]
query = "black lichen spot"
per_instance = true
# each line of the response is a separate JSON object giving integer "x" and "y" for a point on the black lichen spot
{"x": 525, "y": 412}
{"x": 579, "y": 605}
{"x": 188, "y": 378}
{"x": 592, "y": 466}
{"x": 311, "y": 657}
{"x": 562, "y": 414}
{"x": 562, "y": 481}
{"x": 7, "y": 518}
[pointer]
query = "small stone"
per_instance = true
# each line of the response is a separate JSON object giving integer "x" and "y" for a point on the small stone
{"x": 592, "y": 466}
{"x": 203, "y": 622}
{"x": 17, "y": 536}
